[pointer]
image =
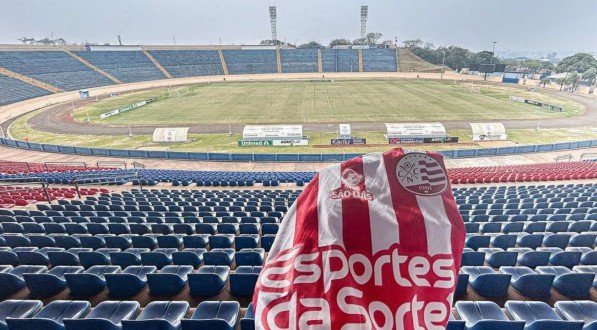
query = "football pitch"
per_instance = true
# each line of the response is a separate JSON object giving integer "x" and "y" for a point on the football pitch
{"x": 324, "y": 102}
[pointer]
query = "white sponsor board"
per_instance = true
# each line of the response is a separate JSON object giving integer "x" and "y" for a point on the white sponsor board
{"x": 170, "y": 134}
{"x": 489, "y": 132}
{"x": 517, "y": 99}
{"x": 273, "y": 132}
{"x": 290, "y": 143}
{"x": 127, "y": 108}
{"x": 344, "y": 131}
{"x": 424, "y": 130}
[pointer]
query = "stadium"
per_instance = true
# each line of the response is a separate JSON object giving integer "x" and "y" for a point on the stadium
{"x": 267, "y": 186}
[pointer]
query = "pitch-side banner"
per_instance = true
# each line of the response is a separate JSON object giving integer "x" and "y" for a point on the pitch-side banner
{"x": 372, "y": 243}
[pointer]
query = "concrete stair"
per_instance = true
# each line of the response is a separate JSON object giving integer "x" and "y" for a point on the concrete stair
{"x": 157, "y": 64}
{"x": 31, "y": 81}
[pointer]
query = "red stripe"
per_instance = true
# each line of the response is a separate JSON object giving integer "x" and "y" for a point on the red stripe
{"x": 356, "y": 228}
{"x": 413, "y": 237}
{"x": 306, "y": 216}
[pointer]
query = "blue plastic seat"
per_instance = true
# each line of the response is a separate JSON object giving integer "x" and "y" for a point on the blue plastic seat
{"x": 503, "y": 241}
{"x": 218, "y": 257}
{"x": 485, "y": 315}
{"x": 587, "y": 270}
{"x": 559, "y": 240}
{"x": 539, "y": 316}
{"x": 17, "y": 309}
{"x": 532, "y": 241}
{"x": 496, "y": 257}
{"x": 570, "y": 284}
{"x": 213, "y": 315}
{"x": 475, "y": 241}
{"x": 528, "y": 282}
{"x": 101, "y": 256}
{"x": 189, "y": 257}
{"x": 122, "y": 242}
{"x": 584, "y": 240}
{"x": 580, "y": 310}
{"x": 128, "y": 282}
{"x": 37, "y": 257}
{"x": 221, "y": 241}
{"x": 162, "y": 315}
{"x": 90, "y": 282}
{"x": 530, "y": 258}
{"x": 250, "y": 257}
{"x": 159, "y": 257}
{"x": 246, "y": 241}
{"x": 148, "y": 241}
{"x": 12, "y": 281}
{"x": 66, "y": 258}
{"x": 559, "y": 257}
{"x": 42, "y": 285}
{"x": 170, "y": 280}
{"x": 248, "y": 321}
{"x": 128, "y": 257}
{"x": 51, "y": 316}
{"x": 170, "y": 241}
{"x": 208, "y": 280}
{"x": 243, "y": 280}
{"x": 487, "y": 282}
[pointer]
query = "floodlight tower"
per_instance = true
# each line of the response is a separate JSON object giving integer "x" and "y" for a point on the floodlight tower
{"x": 273, "y": 17}
{"x": 364, "y": 13}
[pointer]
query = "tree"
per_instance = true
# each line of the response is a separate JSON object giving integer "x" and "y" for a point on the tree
{"x": 312, "y": 45}
{"x": 590, "y": 75}
{"x": 573, "y": 79}
{"x": 372, "y": 38}
{"x": 561, "y": 82}
{"x": 579, "y": 62}
{"x": 412, "y": 44}
{"x": 544, "y": 82}
{"x": 26, "y": 40}
{"x": 339, "y": 42}
{"x": 485, "y": 57}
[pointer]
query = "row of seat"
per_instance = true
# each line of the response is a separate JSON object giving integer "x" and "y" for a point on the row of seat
{"x": 125, "y": 282}
{"x": 497, "y": 257}
{"x": 532, "y": 226}
{"x": 527, "y": 315}
{"x": 524, "y": 173}
{"x": 159, "y": 257}
{"x": 213, "y": 315}
{"x": 575, "y": 283}
{"x": 533, "y": 241}
{"x": 78, "y": 315}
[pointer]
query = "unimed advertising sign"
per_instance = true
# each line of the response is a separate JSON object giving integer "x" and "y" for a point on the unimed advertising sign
{"x": 374, "y": 242}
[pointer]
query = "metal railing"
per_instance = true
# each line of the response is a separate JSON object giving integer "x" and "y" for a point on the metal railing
{"x": 273, "y": 157}
{"x": 99, "y": 179}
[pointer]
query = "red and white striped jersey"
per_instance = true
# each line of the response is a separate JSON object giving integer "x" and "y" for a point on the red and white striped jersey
{"x": 372, "y": 243}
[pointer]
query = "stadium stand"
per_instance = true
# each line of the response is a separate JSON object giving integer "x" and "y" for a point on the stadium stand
{"x": 379, "y": 60}
{"x": 250, "y": 61}
{"x": 147, "y": 246}
{"x": 64, "y": 173}
{"x": 298, "y": 60}
{"x": 340, "y": 60}
{"x": 12, "y": 167}
{"x": 189, "y": 63}
{"x": 13, "y": 90}
{"x": 127, "y": 66}
{"x": 53, "y": 67}
{"x": 524, "y": 173}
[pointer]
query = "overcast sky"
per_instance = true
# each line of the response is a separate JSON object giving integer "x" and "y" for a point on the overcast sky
{"x": 530, "y": 25}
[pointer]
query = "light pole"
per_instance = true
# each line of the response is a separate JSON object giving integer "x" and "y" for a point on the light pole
{"x": 493, "y": 52}
{"x": 443, "y": 63}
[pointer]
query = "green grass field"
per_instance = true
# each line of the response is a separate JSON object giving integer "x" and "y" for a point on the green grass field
{"x": 323, "y": 102}
{"x": 228, "y": 143}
